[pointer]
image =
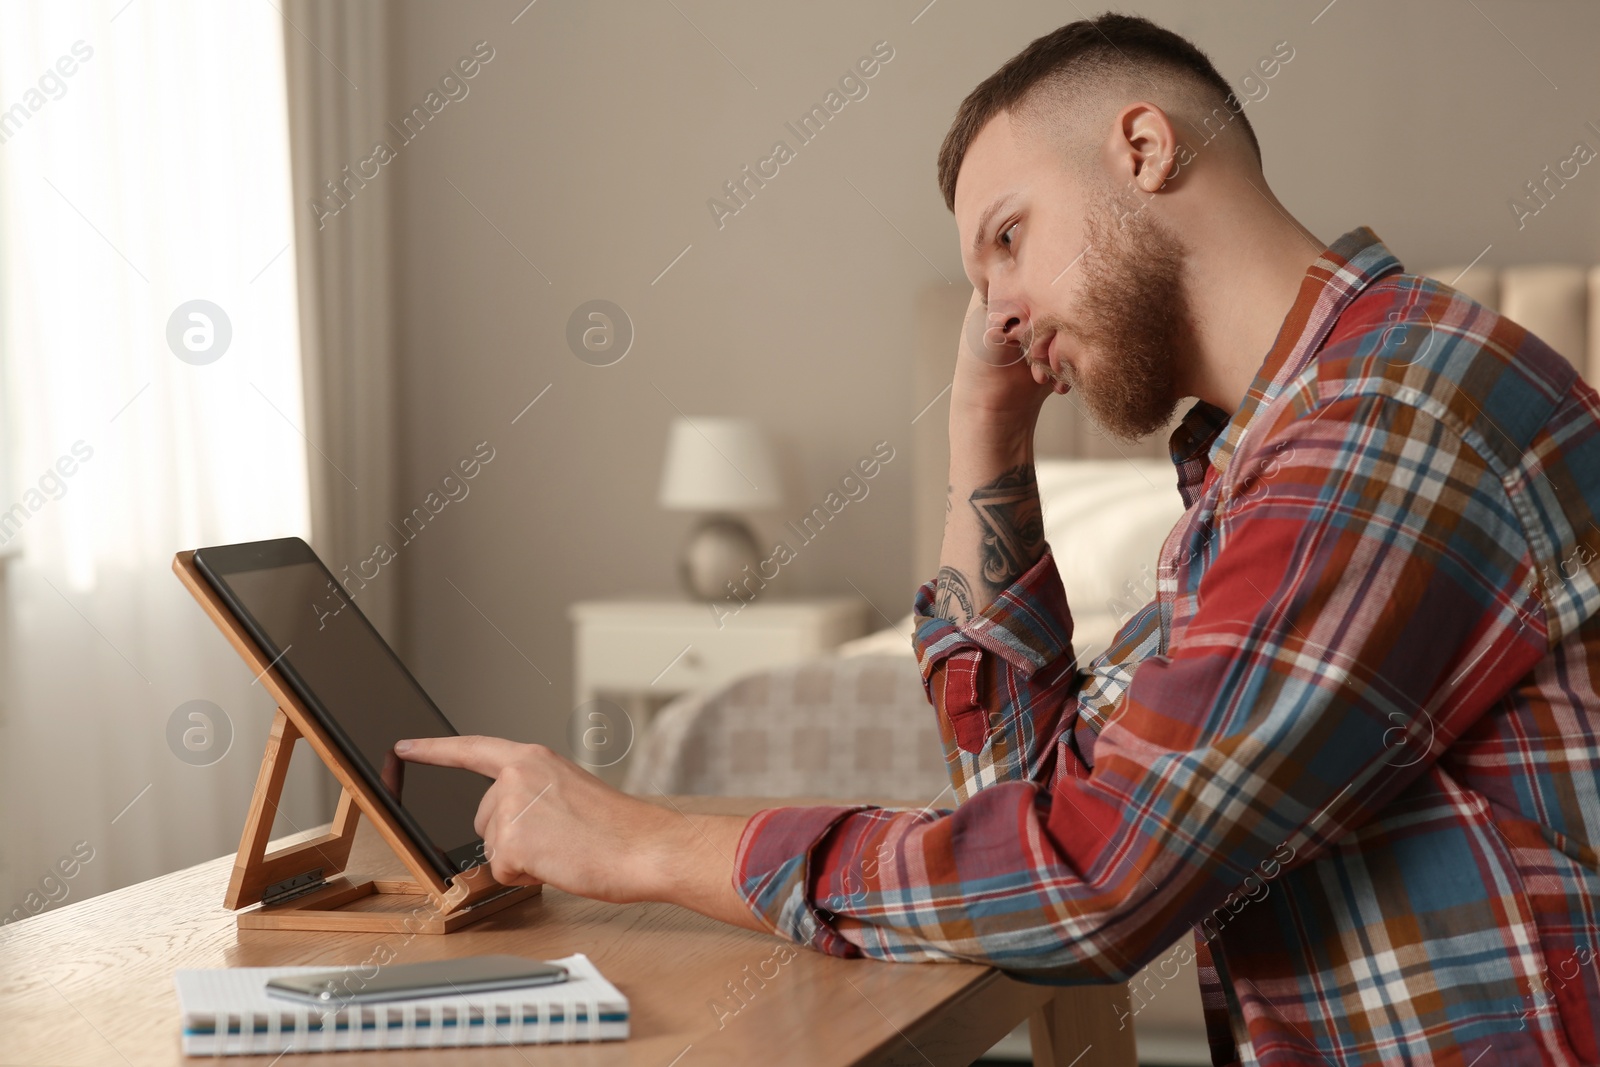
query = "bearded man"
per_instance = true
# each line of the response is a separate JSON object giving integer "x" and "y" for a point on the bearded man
{"x": 1351, "y": 744}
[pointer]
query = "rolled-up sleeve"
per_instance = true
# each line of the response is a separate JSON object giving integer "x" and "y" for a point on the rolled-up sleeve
{"x": 1000, "y": 682}
{"x": 998, "y": 685}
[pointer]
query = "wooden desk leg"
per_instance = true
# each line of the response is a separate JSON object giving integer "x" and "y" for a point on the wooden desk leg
{"x": 1078, "y": 1028}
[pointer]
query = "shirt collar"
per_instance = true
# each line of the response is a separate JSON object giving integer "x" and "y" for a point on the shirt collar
{"x": 1207, "y": 436}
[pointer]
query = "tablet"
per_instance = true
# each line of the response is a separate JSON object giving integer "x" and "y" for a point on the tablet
{"x": 350, "y": 679}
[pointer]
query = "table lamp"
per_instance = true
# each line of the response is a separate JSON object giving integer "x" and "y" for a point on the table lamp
{"x": 718, "y": 466}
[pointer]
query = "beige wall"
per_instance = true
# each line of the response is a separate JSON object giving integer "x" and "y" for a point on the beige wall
{"x": 597, "y": 133}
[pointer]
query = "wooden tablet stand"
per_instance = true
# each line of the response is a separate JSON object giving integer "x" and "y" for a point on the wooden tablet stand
{"x": 303, "y": 887}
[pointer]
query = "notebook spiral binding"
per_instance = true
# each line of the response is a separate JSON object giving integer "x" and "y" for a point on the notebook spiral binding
{"x": 456, "y": 1024}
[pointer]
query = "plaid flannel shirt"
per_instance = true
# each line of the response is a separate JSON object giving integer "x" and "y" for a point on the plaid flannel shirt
{"x": 1352, "y": 744}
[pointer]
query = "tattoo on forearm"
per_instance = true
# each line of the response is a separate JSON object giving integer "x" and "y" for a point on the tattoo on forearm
{"x": 953, "y": 596}
{"x": 1012, "y": 525}
{"x": 1011, "y": 539}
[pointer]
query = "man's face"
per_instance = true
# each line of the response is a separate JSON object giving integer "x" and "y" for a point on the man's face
{"x": 1084, "y": 281}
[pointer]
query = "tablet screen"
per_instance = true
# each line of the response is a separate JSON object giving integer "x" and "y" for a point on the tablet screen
{"x": 353, "y": 682}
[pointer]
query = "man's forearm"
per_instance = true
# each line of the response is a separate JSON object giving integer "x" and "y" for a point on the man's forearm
{"x": 693, "y": 867}
{"x": 993, "y": 525}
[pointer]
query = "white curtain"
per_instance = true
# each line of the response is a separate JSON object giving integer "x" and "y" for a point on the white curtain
{"x": 147, "y": 168}
{"x": 337, "y": 52}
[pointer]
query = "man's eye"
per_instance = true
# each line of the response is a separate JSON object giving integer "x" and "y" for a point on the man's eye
{"x": 1005, "y": 235}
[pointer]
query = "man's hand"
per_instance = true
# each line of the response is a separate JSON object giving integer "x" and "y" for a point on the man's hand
{"x": 546, "y": 819}
{"x": 993, "y": 380}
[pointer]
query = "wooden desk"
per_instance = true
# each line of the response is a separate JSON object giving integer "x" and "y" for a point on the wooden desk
{"x": 91, "y": 984}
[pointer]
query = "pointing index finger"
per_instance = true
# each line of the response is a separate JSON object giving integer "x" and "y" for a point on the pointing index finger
{"x": 472, "y": 752}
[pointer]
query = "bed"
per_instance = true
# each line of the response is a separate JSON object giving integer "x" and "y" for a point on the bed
{"x": 858, "y": 722}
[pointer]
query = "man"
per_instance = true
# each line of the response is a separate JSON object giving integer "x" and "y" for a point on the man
{"x": 1351, "y": 745}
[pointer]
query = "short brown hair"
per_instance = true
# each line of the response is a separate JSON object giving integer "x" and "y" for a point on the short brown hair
{"x": 1103, "y": 45}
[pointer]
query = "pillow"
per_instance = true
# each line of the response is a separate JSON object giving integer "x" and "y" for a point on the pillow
{"x": 1105, "y": 521}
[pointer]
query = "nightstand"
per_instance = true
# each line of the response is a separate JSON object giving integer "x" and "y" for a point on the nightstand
{"x": 639, "y": 654}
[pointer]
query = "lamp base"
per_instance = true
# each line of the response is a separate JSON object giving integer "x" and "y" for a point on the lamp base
{"x": 717, "y": 551}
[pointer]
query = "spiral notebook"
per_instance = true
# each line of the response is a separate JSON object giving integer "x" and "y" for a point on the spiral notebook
{"x": 227, "y": 1012}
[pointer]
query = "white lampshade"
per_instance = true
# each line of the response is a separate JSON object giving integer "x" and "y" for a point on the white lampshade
{"x": 719, "y": 464}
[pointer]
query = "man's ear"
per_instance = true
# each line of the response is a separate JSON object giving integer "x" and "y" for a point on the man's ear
{"x": 1142, "y": 147}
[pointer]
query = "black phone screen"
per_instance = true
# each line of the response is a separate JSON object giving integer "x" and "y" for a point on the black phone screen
{"x": 350, "y": 678}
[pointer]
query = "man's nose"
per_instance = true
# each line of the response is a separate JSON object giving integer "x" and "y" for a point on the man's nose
{"x": 1007, "y": 323}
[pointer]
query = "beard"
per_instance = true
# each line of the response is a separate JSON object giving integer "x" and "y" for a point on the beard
{"x": 1132, "y": 321}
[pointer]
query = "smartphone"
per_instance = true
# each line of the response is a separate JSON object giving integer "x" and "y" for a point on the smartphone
{"x": 349, "y": 678}
{"x": 435, "y": 978}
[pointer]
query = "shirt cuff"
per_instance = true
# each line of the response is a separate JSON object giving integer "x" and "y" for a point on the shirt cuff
{"x": 1028, "y": 624}
{"x": 772, "y": 872}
